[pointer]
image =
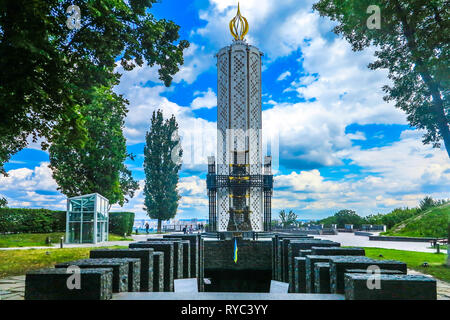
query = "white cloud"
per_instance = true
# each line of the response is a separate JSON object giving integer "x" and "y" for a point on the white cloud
{"x": 275, "y": 26}
{"x": 284, "y": 75}
{"x": 207, "y": 99}
{"x": 198, "y": 136}
{"x": 24, "y": 179}
{"x": 339, "y": 88}
{"x": 396, "y": 175}
{"x": 358, "y": 135}
{"x": 193, "y": 196}
{"x": 24, "y": 187}
{"x": 196, "y": 61}
{"x": 192, "y": 185}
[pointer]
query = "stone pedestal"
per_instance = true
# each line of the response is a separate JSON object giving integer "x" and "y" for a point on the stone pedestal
{"x": 338, "y": 266}
{"x": 158, "y": 271}
{"x": 195, "y": 250}
{"x": 277, "y": 243}
{"x": 392, "y": 287}
{"x": 168, "y": 248}
{"x": 299, "y": 275}
{"x": 293, "y": 249}
{"x": 51, "y": 284}
{"x": 177, "y": 255}
{"x": 144, "y": 255}
{"x": 120, "y": 268}
{"x": 309, "y": 270}
{"x": 186, "y": 257}
{"x": 322, "y": 277}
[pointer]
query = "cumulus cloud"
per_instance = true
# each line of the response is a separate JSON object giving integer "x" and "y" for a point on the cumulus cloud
{"x": 207, "y": 99}
{"x": 32, "y": 188}
{"x": 274, "y": 26}
{"x": 196, "y": 61}
{"x": 192, "y": 190}
{"x": 396, "y": 175}
{"x": 24, "y": 179}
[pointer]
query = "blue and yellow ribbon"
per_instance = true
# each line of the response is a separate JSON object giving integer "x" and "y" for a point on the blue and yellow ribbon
{"x": 235, "y": 250}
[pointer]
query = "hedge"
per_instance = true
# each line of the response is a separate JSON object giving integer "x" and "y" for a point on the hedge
{"x": 121, "y": 222}
{"x": 21, "y": 220}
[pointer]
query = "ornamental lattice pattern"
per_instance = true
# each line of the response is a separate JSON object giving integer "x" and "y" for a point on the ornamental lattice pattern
{"x": 222, "y": 112}
{"x": 239, "y": 131}
{"x": 223, "y": 204}
{"x": 238, "y": 111}
{"x": 256, "y": 207}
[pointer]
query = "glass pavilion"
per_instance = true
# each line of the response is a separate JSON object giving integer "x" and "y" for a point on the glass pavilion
{"x": 87, "y": 219}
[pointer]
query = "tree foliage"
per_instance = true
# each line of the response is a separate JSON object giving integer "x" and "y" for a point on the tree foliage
{"x": 3, "y": 202}
{"x": 428, "y": 202}
{"x": 343, "y": 217}
{"x": 161, "y": 168}
{"x": 48, "y": 70}
{"x": 392, "y": 218}
{"x": 287, "y": 219}
{"x": 97, "y": 166}
{"x": 413, "y": 44}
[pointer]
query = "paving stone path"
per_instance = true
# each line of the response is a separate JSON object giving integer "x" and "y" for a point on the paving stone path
{"x": 12, "y": 288}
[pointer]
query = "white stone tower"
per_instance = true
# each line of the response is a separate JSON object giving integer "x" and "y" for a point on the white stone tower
{"x": 239, "y": 195}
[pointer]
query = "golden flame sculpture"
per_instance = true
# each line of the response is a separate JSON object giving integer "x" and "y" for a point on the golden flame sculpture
{"x": 238, "y": 26}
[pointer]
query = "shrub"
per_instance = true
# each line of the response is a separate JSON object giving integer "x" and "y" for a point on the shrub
{"x": 121, "y": 222}
{"x": 21, "y": 220}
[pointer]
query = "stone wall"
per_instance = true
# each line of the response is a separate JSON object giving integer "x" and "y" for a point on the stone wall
{"x": 251, "y": 273}
{"x": 254, "y": 255}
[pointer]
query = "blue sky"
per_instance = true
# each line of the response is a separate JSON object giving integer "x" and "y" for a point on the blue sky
{"x": 340, "y": 145}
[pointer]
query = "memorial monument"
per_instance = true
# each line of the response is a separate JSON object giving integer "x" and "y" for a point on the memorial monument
{"x": 239, "y": 184}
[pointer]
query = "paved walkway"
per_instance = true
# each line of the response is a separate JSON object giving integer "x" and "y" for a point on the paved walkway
{"x": 350, "y": 240}
{"x": 12, "y": 288}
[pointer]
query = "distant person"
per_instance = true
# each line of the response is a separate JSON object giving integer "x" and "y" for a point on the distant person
{"x": 184, "y": 229}
{"x": 147, "y": 226}
{"x": 190, "y": 229}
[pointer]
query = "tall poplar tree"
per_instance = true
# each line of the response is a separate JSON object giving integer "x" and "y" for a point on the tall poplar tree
{"x": 162, "y": 162}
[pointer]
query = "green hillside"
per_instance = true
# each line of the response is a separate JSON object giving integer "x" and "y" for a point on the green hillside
{"x": 433, "y": 222}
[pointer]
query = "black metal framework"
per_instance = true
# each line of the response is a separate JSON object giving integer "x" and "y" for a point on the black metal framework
{"x": 212, "y": 192}
{"x": 238, "y": 185}
{"x": 267, "y": 210}
{"x": 214, "y": 181}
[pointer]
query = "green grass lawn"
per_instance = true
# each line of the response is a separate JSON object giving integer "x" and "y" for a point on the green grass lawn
{"x": 38, "y": 239}
{"x": 430, "y": 223}
{"x": 18, "y": 262}
{"x": 115, "y": 237}
{"x": 414, "y": 260}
